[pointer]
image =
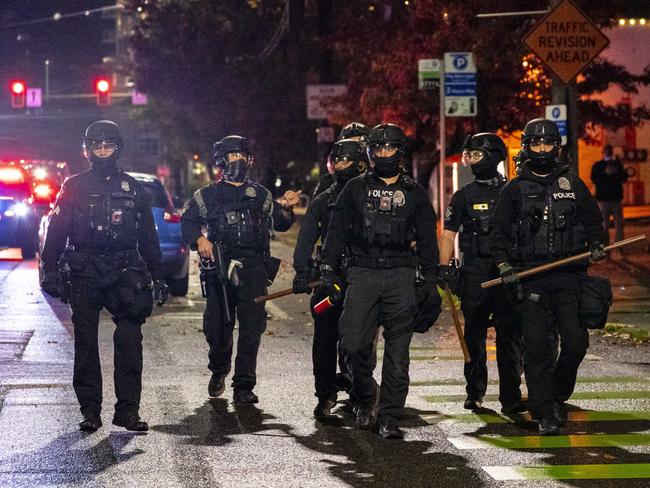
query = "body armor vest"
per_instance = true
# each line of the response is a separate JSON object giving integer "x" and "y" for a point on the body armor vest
{"x": 384, "y": 219}
{"x": 475, "y": 235}
{"x": 242, "y": 224}
{"x": 545, "y": 224}
{"x": 107, "y": 221}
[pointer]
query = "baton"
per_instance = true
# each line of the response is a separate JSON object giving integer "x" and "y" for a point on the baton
{"x": 459, "y": 330}
{"x": 562, "y": 262}
{"x": 281, "y": 293}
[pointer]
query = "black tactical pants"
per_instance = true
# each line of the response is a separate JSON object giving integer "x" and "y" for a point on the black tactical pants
{"x": 251, "y": 317}
{"x": 326, "y": 351}
{"x": 379, "y": 297}
{"x": 551, "y": 309}
{"x": 96, "y": 285}
{"x": 477, "y": 306}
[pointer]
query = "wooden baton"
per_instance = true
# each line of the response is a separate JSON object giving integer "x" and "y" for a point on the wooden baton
{"x": 282, "y": 293}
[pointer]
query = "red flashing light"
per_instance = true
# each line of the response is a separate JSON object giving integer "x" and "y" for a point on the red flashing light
{"x": 103, "y": 90}
{"x": 43, "y": 191}
{"x": 18, "y": 89}
{"x": 11, "y": 175}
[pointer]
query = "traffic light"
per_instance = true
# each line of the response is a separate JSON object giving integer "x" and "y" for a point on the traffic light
{"x": 18, "y": 89}
{"x": 103, "y": 90}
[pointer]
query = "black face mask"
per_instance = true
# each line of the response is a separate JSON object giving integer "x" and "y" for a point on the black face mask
{"x": 342, "y": 176}
{"x": 386, "y": 167}
{"x": 103, "y": 167}
{"x": 235, "y": 171}
{"x": 542, "y": 166}
{"x": 484, "y": 169}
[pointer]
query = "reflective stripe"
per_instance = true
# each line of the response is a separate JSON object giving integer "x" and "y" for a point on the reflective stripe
{"x": 569, "y": 472}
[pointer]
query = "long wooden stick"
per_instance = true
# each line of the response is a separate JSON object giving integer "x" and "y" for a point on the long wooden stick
{"x": 562, "y": 262}
{"x": 459, "y": 330}
{"x": 281, "y": 293}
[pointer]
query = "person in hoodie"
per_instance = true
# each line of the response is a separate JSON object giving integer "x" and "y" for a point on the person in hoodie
{"x": 469, "y": 213}
{"x": 347, "y": 156}
{"x": 102, "y": 220}
{"x": 544, "y": 214}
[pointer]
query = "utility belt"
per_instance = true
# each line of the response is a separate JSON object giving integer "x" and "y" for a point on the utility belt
{"x": 382, "y": 262}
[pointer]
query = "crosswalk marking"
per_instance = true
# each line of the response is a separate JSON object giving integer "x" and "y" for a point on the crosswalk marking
{"x": 578, "y": 395}
{"x": 581, "y": 380}
{"x": 569, "y": 472}
{"x": 550, "y": 442}
{"x": 574, "y": 416}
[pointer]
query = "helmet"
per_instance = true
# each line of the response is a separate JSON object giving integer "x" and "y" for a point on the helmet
{"x": 103, "y": 133}
{"x": 354, "y": 129}
{"x": 541, "y": 131}
{"x": 350, "y": 150}
{"x": 386, "y": 136}
{"x": 493, "y": 149}
{"x": 233, "y": 171}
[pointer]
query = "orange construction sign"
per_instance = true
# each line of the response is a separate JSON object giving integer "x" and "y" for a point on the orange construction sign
{"x": 566, "y": 40}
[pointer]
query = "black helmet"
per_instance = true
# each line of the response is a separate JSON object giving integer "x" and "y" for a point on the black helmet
{"x": 103, "y": 132}
{"x": 541, "y": 130}
{"x": 354, "y": 129}
{"x": 233, "y": 171}
{"x": 350, "y": 150}
{"x": 381, "y": 136}
{"x": 494, "y": 151}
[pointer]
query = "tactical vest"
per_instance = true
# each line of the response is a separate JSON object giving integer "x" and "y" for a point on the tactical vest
{"x": 475, "y": 236}
{"x": 545, "y": 224}
{"x": 384, "y": 215}
{"x": 107, "y": 221}
{"x": 243, "y": 224}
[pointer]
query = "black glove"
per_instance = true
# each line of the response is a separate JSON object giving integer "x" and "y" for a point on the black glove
{"x": 300, "y": 282}
{"x": 598, "y": 252}
{"x": 427, "y": 288}
{"x": 160, "y": 292}
{"x": 50, "y": 283}
{"x": 329, "y": 283}
{"x": 449, "y": 275}
{"x": 514, "y": 290}
{"x": 428, "y": 303}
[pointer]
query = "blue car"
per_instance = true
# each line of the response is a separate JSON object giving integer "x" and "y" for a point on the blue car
{"x": 175, "y": 253}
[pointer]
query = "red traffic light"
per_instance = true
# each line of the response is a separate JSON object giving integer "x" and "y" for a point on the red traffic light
{"x": 18, "y": 89}
{"x": 103, "y": 90}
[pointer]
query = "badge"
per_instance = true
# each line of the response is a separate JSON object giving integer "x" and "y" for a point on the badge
{"x": 125, "y": 186}
{"x": 480, "y": 206}
{"x": 250, "y": 192}
{"x": 385, "y": 204}
{"x": 564, "y": 183}
{"x": 398, "y": 198}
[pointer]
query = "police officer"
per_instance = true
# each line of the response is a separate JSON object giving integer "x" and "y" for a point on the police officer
{"x": 239, "y": 216}
{"x": 113, "y": 256}
{"x": 346, "y": 156}
{"x": 469, "y": 213}
{"x": 377, "y": 216}
{"x": 355, "y": 131}
{"x": 544, "y": 214}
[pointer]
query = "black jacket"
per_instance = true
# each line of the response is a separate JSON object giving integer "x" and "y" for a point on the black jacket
{"x": 73, "y": 200}
{"x": 609, "y": 187}
{"x": 587, "y": 214}
{"x": 348, "y": 215}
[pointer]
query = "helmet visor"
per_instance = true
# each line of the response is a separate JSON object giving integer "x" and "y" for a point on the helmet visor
{"x": 386, "y": 150}
{"x": 342, "y": 162}
{"x": 103, "y": 149}
{"x": 542, "y": 144}
{"x": 472, "y": 156}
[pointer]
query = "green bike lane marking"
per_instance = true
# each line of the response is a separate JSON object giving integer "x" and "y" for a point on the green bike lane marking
{"x": 581, "y": 380}
{"x": 574, "y": 416}
{"x": 549, "y": 442}
{"x": 569, "y": 472}
{"x": 578, "y": 395}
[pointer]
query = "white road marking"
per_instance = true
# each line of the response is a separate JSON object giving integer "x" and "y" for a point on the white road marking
{"x": 502, "y": 473}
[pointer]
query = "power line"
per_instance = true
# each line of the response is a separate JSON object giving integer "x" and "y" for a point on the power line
{"x": 59, "y": 16}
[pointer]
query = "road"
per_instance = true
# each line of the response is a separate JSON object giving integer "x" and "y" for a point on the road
{"x": 197, "y": 442}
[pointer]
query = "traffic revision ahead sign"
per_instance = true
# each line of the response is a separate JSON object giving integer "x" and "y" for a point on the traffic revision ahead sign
{"x": 566, "y": 40}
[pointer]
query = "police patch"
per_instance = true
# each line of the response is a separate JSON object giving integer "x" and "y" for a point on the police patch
{"x": 564, "y": 183}
{"x": 398, "y": 198}
{"x": 250, "y": 192}
{"x": 480, "y": 206}
{"x": 125, "y": 185}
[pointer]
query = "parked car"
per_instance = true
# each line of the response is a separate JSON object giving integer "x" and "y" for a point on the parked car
{"x": 175, "y": 253}
{"x": 19, "y": 214}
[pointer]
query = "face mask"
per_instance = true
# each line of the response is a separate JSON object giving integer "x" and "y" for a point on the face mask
{"x": 104, "y": 167}
{"x": 484, "y": 169}
{"x": 342, "y": 176}
{"x": 541, "y": 166}
{"x": 235, "y": 171}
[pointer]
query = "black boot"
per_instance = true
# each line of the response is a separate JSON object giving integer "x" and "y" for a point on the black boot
{"x": 473, "y": 404}
{"x": 389, "y": 429}
{"x": 548, "y": 426}
{"x": 365, "y": 417}
{"x": 90, "y": 423}
{"x": 130, "y": 421}
{"x": 324, "y": 408}
{"x": 513, "y": 409}
{"x": 217, "y": 385}
{"x": 245, "y": 396}
{"x": 560, "y": 413}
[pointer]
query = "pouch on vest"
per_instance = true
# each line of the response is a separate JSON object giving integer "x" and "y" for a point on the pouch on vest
{"x": 594, "y": 300}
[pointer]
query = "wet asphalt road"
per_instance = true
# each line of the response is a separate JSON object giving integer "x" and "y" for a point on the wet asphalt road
{"x": 199, "y": 442}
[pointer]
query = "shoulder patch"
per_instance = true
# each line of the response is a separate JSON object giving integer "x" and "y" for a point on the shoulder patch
{"x": 564, "y": 183}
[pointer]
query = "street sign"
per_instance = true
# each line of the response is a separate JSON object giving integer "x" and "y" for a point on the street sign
{"x": 460, "y": 85}
{"x": 428, "y": 74}
{"x": 320, "y": 100}
{"x": 566, "y": 40}
{"x": 557, "y": 113}
{"x": 139, "y": 98}
{"x": 34, "y": 98}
